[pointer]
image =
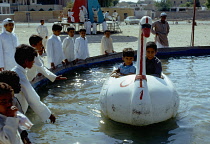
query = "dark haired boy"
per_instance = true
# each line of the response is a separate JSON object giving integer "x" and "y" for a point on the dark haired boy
{"x": 24, "y": 57}
{"x": 106, "y": 43}
{"x": 81, "y": 51}
{"x": 38, "y": 66}
{"x": 42, "y": 32}
{"x": 9, "y": 123}
{"x": 68, "y": 44}
{"x": 55, "y": 55}
{"x": 126, "y": 68}
{"x": 12, "y": 79}
{"x": 153, "y": 64}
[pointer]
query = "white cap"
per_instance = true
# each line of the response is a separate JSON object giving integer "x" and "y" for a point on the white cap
{"x": 7, "y": 21}
{"x": 163, "y": 14}
{"x": 146, "y": 20}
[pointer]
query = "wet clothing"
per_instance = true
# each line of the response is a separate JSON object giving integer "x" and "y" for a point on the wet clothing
{"x": 81, "y": 48}
{"x": 38, "y": 67}
{"x": 9, "y": 130}
{"x": 68, "y": 48}
{"x": 127, "y": 69}
{"x": 153, "y": 67}
{"x": 29, "y": 97}
{"x": 106, "y": 45}
{"x": 161, "y": 31}
{"x": 54, "y": 50}
{"x": 8, "y": 44}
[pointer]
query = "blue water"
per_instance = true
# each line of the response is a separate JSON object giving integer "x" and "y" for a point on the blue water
{"x": 75, "y": 102}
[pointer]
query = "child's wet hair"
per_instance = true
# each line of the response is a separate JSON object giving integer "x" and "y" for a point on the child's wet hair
{"x": 70, "y": 28}
{"x": 24, "y": 52}
{"x": 34, "y": 39}
{"x": 151, "y": 45}
{"x": 5, "y": 88}
{"x": 11, "y": 78}
{"x": 56, "y": 27}
{"x": 128, "y": 52}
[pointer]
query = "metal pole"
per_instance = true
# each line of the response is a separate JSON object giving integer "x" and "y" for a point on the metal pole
{"x": 193, "y": 24}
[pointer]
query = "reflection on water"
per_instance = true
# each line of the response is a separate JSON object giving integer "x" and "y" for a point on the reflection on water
{"x": 75, "y": 102}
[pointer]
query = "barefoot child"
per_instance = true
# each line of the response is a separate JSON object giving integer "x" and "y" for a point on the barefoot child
{"x": 153, "y": 64}
{"x": 24, "y": 56}
{"x": 55, "y": 55}
{"x": 126, "y": 68}
{"x": 38, "y": 66}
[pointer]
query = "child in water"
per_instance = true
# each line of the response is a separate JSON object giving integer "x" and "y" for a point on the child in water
{"x": 126, "y": 68}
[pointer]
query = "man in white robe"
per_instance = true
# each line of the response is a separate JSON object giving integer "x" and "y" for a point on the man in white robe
{"x": 8, "y": 43}
{"x": 115, "y": 15}
{"x": 94, "y": 28}
{"x": 95, "y": 14}
{"x": 104, "y": 26}
{"x": 81, "y": 15}
{"x": 42, "y": 32}
{"x": 85, "y": 12}
{"x": 106, "y": 43}
{"x": 81, "y": 46}
{"x": 87, "y": 26}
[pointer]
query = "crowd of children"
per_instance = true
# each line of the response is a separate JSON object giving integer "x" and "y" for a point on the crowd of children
{"x": 20, "y": 64}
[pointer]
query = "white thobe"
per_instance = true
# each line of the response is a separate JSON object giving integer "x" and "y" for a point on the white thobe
{"x": 81, "y": 48}
{"x": 94, "y": 28}
{"x": 9, "y": 130}
{"x": 104, "y": 26}
{"x": 106, "y": 45}
{"x": 42, "y": 32}
{"x": 81, "y": 16}
{"x": 70, "y": 14}
{"x": 85, "y": 12}
{"x": 28, "y": 96}
{"x": 54, "y": 50}
{"x": 38, "y": 67}
{"x": 87, "y": 26}
{"x": 115, "y": 15}
{"x": 95, "y": 14}
{"x": 8, "y": 44}
{"x": 68, "y": 48}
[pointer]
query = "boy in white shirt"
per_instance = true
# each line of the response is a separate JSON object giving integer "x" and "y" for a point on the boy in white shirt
{"x": 68, "y": 44}
{"x": 38, "y": 66}
{"x": 81, "y": 46}
{"x": 8, "y": 43}
{"x": 55, "y": 55}
{"x": 43, "y": 32}
{"x": 9, "y": 122}
{"x": 106, "y": 43}
{"x": 87, "y": 26}
{"x": 24, "y": 57}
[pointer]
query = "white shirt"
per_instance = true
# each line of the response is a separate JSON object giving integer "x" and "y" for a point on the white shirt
{"x": 81, "y": 48}
{"x": 54, "y": 50}
{"x": 87, "y": 26}
{"x": 42, "y": 31}
{"x": 28, "y": 96}
{"x": 68, "y": 48}
{"x": 38, "y": 67}
{"x": 8, "y": 44}
{"x": 9, "y": 130}
{"x": 106, "y": 45}
{"x": 115, "y": 14}
{"x": 104, "y": 26}
{"x": 94, "y": 28}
